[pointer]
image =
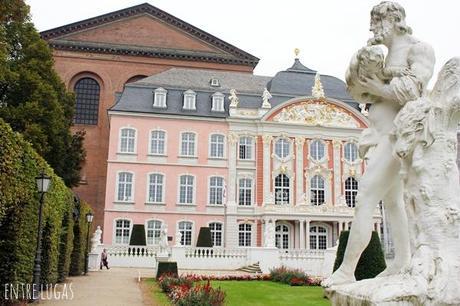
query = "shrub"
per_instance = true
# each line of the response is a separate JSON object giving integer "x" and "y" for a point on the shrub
{"x": 137, "y": 235}
{"x": 204, "y": 238}
{"x": 200, "y": 294}
{"x": 372, "y": 260}
{"x": 65, "y": 247}
{"x": 166, "y": 267}
{"x": 167, "y": 281}
{"x": 293, "y": 277}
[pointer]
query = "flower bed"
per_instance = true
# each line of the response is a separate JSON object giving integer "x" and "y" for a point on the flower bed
{"x": 293, "y": 277}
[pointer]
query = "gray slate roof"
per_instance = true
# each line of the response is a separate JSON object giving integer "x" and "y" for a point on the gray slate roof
{"x": 293, "y": 82}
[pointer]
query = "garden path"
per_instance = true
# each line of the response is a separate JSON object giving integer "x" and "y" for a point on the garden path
{"x": 114, "y": 287}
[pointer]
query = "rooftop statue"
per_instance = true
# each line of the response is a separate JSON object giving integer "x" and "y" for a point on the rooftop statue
{"x": 411, "y": 147}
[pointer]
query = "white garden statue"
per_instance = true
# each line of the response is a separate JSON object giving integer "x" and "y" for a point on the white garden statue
{"x": 163, "y": 238}
{"x": 96, "y": 240}
{"x": 412, "y": 168}
{"x": 178, "y": 239}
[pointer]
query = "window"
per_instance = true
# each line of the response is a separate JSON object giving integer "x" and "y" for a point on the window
{"x": 216, "y": 190}
{"x": 282, "y": 236}
{"x": 185, "y": 228}
{"x": 217, "y": 146}
{"x": 317, "y": 150}
{"x": 216, "y": 233}
{"x": 351, "y": 190}
{"x": 282, "y": 147}
{"x": 122, "y": 229}
{"x": 159, "y": 99}
{"x": 127, "y": 140}
{"x": 186, "y": 189}
{"x": 188, "y": 144}
{"x": 86, "y": 101}
{"x": 245, "y": 191}
{"x": 153, "y": 232}
{"x": 244, "y": 235}
{"x": 245, "y": 147}
{"x": 189, "y": 100}
{"x": 125, "y": 187}
{"x": 282, "y": 189}
{"x": 350, "y": 152}
{"x": 156, "y": 188}
{"x": 318, "y": 238}
{"x": 317, "y": 190}
{"x": 157, "y": 142}
{"x": 217, "y": 102}
{"x": 214, "y": 82}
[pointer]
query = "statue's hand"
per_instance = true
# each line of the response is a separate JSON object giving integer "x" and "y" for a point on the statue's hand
{"x": 372, "y": 85}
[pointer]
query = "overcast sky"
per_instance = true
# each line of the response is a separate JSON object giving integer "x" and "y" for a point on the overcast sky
{"x": 327, "y": 32}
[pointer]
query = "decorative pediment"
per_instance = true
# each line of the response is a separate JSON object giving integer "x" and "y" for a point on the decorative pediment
{"x": 316, "y": 113}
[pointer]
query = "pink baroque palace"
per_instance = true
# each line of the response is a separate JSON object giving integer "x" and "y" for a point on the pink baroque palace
{"x": 261, "y": 161}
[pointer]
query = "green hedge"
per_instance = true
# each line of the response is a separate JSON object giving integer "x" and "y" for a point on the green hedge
{"x": 80, "y": 230}
{"x": 138, "y": 235}
{"x": 169, "y": 267}
{"x": 372, "y": 260}
{"x": 19, "y": 205}
{"x": 204, "y": 238}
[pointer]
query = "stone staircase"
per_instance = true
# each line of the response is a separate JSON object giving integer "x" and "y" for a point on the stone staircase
{"x": 254, "y": 268}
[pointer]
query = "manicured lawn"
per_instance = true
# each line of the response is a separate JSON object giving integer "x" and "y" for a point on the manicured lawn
{"x": 264, "y": 293}
{"x": 154, "y": 294}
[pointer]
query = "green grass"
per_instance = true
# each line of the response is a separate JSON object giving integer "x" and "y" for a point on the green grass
{"x": 157, "y": 296}
{"x": 265, "y": 293}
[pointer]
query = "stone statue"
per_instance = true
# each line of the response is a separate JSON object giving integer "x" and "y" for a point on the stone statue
{"x": 266, "y": 96}
{"x": 234, "y": 101}
{"x": 317, "y": 90}
{"x": 424, "y": 138}
{"x": 178, "y": 238}
{"x": 269, "y": 234}
{"x": 96, "y": 240}
{"x": 163, "y": 237}
{"x": 387, "y": 84}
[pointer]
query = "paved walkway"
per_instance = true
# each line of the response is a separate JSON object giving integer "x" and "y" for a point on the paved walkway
{"x": 117, "y": 286}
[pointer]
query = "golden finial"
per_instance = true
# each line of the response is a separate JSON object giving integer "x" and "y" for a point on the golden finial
{"x": 296, "y": 52}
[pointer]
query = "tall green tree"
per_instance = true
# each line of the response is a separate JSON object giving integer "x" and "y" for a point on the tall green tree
{"x": 33, "y": 99}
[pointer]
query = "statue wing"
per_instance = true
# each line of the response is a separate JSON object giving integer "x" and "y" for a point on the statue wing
{"x": 447, "y": 87}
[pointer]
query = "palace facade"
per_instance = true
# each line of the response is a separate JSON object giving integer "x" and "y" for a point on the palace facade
{"x": 262, "y": 161}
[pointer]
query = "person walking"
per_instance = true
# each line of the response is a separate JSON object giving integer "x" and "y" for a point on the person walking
{"x": 104, "y": 261}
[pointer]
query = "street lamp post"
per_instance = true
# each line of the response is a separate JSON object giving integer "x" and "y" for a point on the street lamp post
{"x": 43, "y": 182}
{"x": 89, "y": 220}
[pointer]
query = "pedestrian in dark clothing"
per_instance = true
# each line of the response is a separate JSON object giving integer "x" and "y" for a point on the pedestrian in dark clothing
{"x": 104, "y": 261}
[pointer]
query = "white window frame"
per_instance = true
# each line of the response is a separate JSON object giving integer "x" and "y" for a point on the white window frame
{"x": 245, "y": 189}
{"x": 289, "y": 188}
{"x": 120, "y": 148}
{"x": 213, "y": 238}
{"x": 179, "y": 189}
{"x": 316, "y": 203}
{"x": 156, "y": 238}
{"x": 163, "y": 188}
{"x": 245, "y": 232}
{"x": 160, "y": 98}
{"x": 317, "y": 234}
{"x": 310, "y": 150}
{"x": 115, "y": 231}
{"x": 211, "y": 143}
{"x": 353, "y": 192}
{"x": 183, "y": 236}
{"x": 194, "y": 144}
{"x": 218, "y": 102}
{"x": 350, "y": 153}
{"x": 189, "y": 100}
{"x": 251, "y": 147}
{"x": 289, "y": 146}
{"x": 165, "y": 142}
{"x": 117, "y": 187}
{"x": 216, "y": 187}
{"x": 279, "y": 243}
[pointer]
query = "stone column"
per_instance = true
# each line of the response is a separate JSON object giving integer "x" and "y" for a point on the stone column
{"x": 302, "y": 234}
{"x": 307, "y": 232}
{"x": 231, "y": 185}
{"x": 267, "y": 140}
{"x": 336, "y": 144}
{"x": 299, "y": 143}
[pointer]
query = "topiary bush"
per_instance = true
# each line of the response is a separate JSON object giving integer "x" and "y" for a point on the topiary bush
{"x": 65, "y": 246}
{"x": 204, "y": 238}
{"x": 167, "y": 267}
{"x": 80, "y": 229}
{"x": 372, "y": 260}
{"x": 137, "y": 235}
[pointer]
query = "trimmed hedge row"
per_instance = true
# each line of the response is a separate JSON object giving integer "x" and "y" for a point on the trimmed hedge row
{"x": 19, "y": 205}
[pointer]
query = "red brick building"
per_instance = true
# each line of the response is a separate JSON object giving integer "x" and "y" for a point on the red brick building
{"x": 96, "y": 57}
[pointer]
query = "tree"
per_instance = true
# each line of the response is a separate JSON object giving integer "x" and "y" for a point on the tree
{"x": 33, "y": 99}
{"x": 204, "y": 238}
{"x": 138, "y": 235}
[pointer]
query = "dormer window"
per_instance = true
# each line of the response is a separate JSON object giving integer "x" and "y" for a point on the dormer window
{"x": 189, "y": 99}
{"x": 218, "y": 102}
{"x": 214, "y": 82}
{"x": 159, "y": 97}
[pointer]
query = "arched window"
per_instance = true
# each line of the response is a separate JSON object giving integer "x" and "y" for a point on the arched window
{"x": 153, "y": 232}
{"x": 245, "y": 191}
{"x": 216, "y": 146}
{"x": 282, "y": 189}
{"x": 318, "y": 238}
{"x": 317, "y": 190}
{"x": 87, "y": 92}
{"x": 218, "y": 102}
{"x": 351, "y": 190}
{"x": 282, "y": 147}
{"x": 156, "y": 183}
{"x": 125, "y": 187}
{"x": 244, "y": 234}
{"x": 216, "y": 190}
{"x": 216, "y": 233}
{"x": 282, "y": 236}
{"x": 186, "y": 189}
{"x": 317, "y": 150}
{"x": 189, "y": 100}
{"x": 127, "y": 140}
{"x": 350, "y": 152}
{"x": 122, "y": 231}
{"x": 185, "y": 228}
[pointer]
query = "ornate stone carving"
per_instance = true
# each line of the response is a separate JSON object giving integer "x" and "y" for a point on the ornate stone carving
{"x": 266, "y": 96}
{"x": 299, "y": 142}
{"x": 317, "y": 89}
{"x": 232, "y": 138}
{"x": 96, "y": 240}
{"x": 267, "y": 139}
{"x": 234, "y": 100}
{"x": 316, "y": 113}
